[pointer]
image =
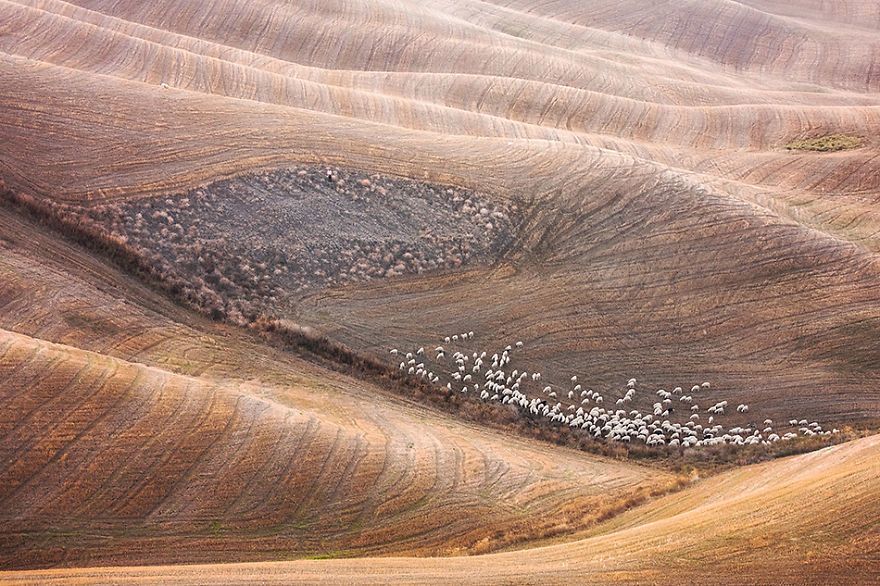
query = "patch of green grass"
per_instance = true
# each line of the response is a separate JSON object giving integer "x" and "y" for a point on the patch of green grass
{"x": 826, "y": 144}
{"x": 327, "y": 555}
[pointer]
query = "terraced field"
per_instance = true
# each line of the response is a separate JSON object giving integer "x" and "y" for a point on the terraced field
{"x": 667, "y": 202}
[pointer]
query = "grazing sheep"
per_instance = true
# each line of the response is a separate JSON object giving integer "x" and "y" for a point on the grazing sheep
{"x": 658, "y": 427}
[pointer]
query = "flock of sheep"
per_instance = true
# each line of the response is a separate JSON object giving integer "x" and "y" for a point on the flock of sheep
{"x": 614, "y": 419}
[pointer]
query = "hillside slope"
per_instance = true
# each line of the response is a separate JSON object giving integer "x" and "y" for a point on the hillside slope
{"x": 804, "y": 520}
{"x": 664, "y": 214}
{"x": 187, "y": 441}
{"x": 669, "y": 235}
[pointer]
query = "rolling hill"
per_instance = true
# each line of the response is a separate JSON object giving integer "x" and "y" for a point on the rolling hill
{"x": 782, "y": 522}
{"x": 665, "y": 220}
{"x": 633, "y": 190}
{"x": 181, "y": 440}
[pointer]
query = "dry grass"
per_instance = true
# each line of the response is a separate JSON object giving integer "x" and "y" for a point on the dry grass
{"x": 826, "y": 144}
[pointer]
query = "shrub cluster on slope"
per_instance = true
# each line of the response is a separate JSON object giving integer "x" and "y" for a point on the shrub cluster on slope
{"x": 826, "y": 144}
{"x": 307, "y": 229}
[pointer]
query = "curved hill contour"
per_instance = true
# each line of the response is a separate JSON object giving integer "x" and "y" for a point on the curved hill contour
{"x": 668, "y": 210}
{"x": 784, "y": 522}
{"x": 184, "y": 441}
